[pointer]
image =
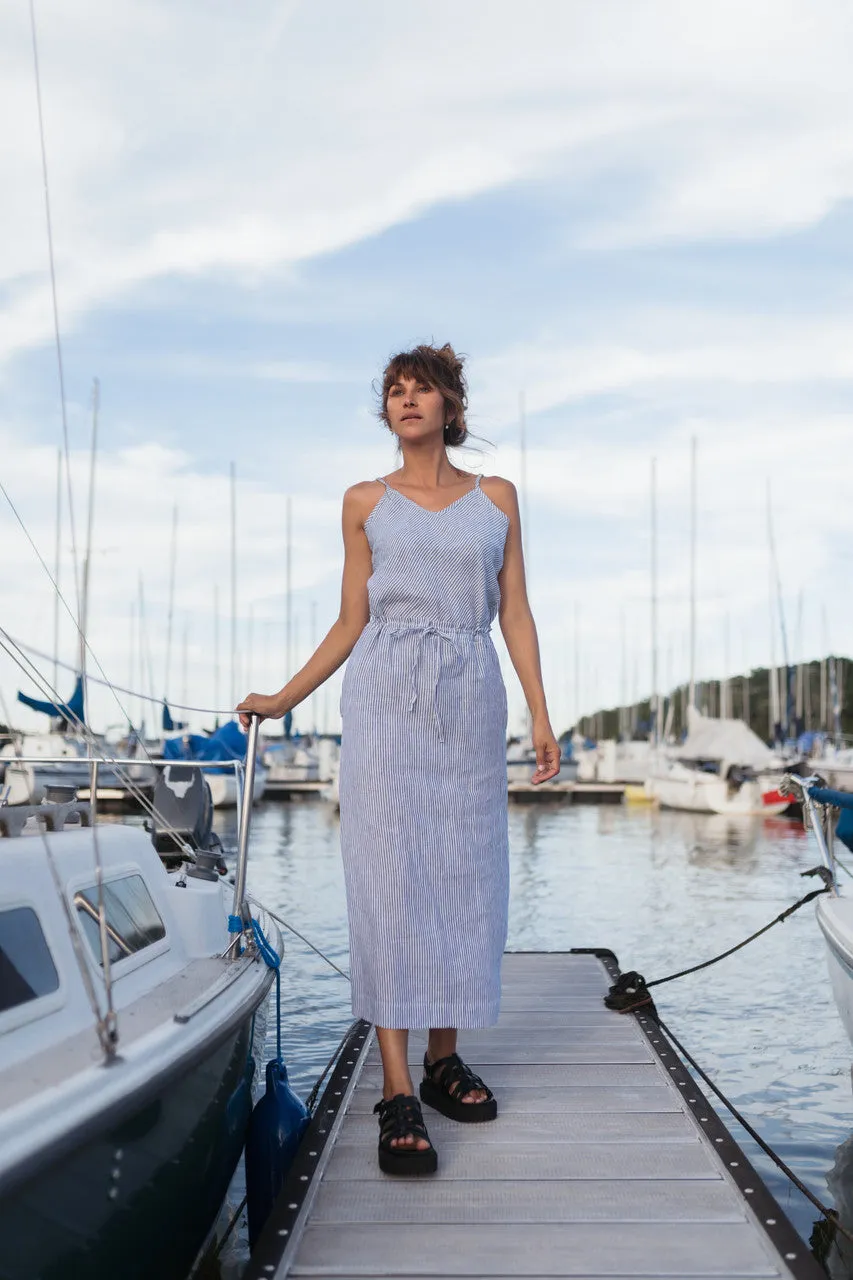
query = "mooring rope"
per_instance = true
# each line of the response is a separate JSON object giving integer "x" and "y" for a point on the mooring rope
{"x": 311, "y": 1100}
{"x": 831, "y": 1215}
{"x": 302, "y": 938}
{"x": 631, "y": 991}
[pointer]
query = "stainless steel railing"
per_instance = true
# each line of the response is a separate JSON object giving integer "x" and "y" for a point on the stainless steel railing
{"x": 799, "y": 788}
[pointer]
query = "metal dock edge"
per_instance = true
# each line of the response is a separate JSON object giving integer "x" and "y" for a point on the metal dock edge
{"x": 606, "y": 1159}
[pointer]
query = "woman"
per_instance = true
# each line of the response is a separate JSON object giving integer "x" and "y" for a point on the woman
{"x": 432, "y": 553}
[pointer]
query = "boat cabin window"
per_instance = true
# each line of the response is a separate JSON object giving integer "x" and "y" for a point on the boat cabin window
{"x": 133, "y": 922}
{"x": 27, "y": 970}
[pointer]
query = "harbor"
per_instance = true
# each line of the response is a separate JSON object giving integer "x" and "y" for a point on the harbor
{"x": 674, "y": 889}
{"x": 424, "y": 613}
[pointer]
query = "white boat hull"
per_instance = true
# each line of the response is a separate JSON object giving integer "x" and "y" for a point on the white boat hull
{"x": 223, "y": 787}
{"x": 835, "y": 917}
{"x": 694, "y": 792}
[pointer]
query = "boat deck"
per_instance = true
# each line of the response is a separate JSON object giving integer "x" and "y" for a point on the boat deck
{"x": 605, "y": 1159}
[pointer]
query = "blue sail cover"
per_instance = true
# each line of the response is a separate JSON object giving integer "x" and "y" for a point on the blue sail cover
{"x": 227, "y": 743}
{"x": 73, "y": 710}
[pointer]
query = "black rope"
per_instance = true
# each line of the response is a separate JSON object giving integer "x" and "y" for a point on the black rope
{"x": 311, "y": 1100}
{"x": 231, "y": 1225}
{"x": 830, "y": 1214}
{"x": 631, "y": 991}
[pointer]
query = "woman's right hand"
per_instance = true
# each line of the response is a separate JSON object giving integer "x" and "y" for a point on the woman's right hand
{"x": 264, "y": 705}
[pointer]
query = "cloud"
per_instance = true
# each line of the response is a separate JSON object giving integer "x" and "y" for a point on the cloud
{"x": 246, "y": 201}
{"x": 188, "y": 141}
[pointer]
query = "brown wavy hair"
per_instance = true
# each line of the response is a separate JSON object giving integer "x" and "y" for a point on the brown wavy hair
{"x": 438, "y": 367}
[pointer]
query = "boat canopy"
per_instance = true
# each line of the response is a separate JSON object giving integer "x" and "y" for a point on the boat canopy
{"x": 73, "y": 710}
{"x": 730, "y": 740}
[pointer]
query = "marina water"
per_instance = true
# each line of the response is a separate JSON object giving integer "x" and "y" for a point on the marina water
{"x": 663, "y": 890}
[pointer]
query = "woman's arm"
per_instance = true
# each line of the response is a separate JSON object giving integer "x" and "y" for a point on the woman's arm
{"x": 519, "y": 630}
{"x": 338, "y": 644}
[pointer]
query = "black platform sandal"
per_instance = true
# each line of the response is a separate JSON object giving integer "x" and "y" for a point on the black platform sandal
{"x": 398, "y": 1117}
{"x": 447, "y": 1081}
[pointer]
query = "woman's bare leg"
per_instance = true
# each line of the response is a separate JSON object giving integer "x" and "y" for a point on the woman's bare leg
{"x": 441, "y": 1043}
{"x": 394, "y": 1048}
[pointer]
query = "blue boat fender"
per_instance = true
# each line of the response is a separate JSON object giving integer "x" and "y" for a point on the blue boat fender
{"x": 275, "y": 1130}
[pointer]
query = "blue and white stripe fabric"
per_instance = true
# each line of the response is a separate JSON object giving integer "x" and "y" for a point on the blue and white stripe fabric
{"x": 423, "y": 769}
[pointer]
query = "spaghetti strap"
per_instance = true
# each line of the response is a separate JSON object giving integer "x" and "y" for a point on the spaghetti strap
{"x": 477, "y": 480}
{"x": 385, "y": 482}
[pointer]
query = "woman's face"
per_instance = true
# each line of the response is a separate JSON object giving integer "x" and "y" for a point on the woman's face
{"x": 415, "y": 409}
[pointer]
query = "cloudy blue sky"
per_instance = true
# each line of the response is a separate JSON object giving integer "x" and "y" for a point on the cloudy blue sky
{"x": 637, "y": 214}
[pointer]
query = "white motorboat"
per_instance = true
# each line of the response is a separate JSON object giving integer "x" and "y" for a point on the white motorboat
{"x": 292, "y": 760}
{"x": 721, "y": 767}
{"x": 833, "y": 910}
{"x": 125, "y": 1037}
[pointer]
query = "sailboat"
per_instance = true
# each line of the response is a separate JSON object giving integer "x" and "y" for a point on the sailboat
{"x": 126, "y": 1035}
{"x": 720, "y": 767}
{"x": 66, "y": 751}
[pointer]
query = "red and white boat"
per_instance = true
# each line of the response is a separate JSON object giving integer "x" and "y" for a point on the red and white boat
{"x": 721, "y": 767}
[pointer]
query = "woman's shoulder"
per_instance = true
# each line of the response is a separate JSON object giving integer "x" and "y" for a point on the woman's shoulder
{"x": 501, "y": 492}
{"x": 362, "y": 497}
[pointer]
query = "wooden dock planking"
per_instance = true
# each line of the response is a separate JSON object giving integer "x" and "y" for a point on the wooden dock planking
{"x": 605, "y": 1160}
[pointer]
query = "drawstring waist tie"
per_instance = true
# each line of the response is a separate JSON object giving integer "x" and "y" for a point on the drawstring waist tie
{"x": 447, "y": 636}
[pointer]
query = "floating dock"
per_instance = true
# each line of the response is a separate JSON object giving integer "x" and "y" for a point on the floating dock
{"x": 605, "y": 1160}
{"x": 295, "y": 790}
{"x": 567, "y": 792}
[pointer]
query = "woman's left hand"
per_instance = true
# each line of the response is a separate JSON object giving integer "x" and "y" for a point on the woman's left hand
{"x": 547, "y": 754}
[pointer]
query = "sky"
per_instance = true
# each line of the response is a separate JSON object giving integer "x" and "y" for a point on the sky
{"x": 632, "y": 216}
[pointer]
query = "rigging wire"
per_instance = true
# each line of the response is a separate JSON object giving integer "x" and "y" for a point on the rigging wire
{"x": 106, "y": 682}
{"x": 831, "y": 1215}
{"x": 44, "y": 687}
{"x": 56, "y": 329}
{"x": 118, "y": 688}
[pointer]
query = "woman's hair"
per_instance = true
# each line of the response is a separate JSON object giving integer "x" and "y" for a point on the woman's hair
{"x": 438, "y": 367}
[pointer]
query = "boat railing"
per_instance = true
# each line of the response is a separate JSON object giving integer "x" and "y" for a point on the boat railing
{"x": 244, "y": 772}
{"x": 812, "y": 793}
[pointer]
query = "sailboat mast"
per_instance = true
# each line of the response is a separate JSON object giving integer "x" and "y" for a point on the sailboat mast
{"x": 577, "y": 665}
{"x": 623, "y": 691}
{"x": 824, "y": 701}
{"x": 132, "y": 662}
{"x": 233, "y": 701}
{"x": 525, "y": 528}
{"x": 84, "y": 604}
{"x": 172, "y": 559}
{"x": 784, "y": 711}
{"x": 216, "y": 701}
{"x": 522, "y": 420}
{"x": 692, "y": 695}
{"x": 56, "y": 567}
{"x": 288, "y": 602}
{"x": 184, "y": 695}
{"x": 313, "y": 707}
{"x": 653, "y": 702}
